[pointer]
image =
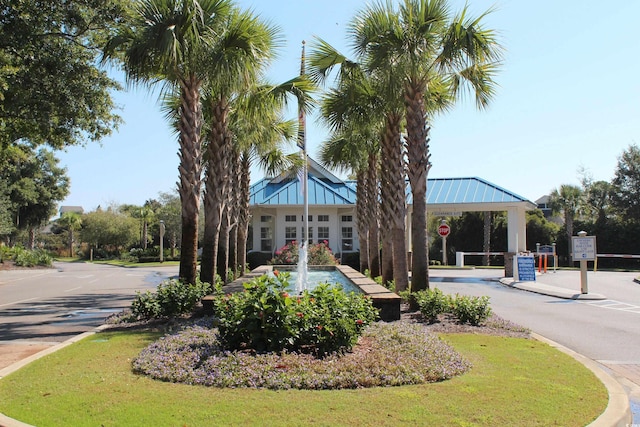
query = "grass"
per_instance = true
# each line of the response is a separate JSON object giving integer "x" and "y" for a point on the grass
{"x": 513, "y": 382}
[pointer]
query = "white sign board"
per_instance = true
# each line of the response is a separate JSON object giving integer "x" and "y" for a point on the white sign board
{"x": 446, "y": 213}
{"x": 584, "y": 248}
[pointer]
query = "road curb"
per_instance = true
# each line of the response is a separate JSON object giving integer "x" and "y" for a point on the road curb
{"x": 618, "y": 412}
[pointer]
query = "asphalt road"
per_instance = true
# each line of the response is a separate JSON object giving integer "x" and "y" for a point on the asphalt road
{"x": 51, "y": 305}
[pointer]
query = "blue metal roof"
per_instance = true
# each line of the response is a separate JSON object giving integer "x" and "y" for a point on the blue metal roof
{"x": 324, "y": 192}
{"x": 466, "y": 190}
{"x": 288, "y": 192}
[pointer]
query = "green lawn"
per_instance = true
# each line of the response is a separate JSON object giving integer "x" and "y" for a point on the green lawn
{"x": 513, "y": 382}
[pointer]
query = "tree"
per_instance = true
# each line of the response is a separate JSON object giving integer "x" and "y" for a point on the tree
{"x": 382, "y": 89}
{"x": 52, "y": 91}
{"x": 109, "y": 229}
{"x": 35, "y": 185}
{"x": 435, "y": 55}
{"x": 259, "y": 132}
{"x": 72, "y": 222}
{"x": 169, "y": 213}
{"x": 236, "y": 58}
{"x": 355, "y": 145}
{"x": 170, "y": 40}
{"x": 626, "y": 184}
{"x": 568, "y": 200}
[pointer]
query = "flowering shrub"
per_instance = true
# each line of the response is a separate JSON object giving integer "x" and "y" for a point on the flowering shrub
{"x": 266, "y": 318}
{"x": 172, "y": 298}
{"x": 317, "y": 254}
{"x": 397, "y": 354}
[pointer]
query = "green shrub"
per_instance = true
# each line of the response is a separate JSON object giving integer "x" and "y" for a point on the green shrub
{"x": 467, "y": 309}
{"x": 432, "y": 302}
{"x": 473, "y": 310}
{"x": 27, "y": 258}
{"x": 317, "y": 254}
{"x": 266, "y": 318}
{"x": 172, "y": 298}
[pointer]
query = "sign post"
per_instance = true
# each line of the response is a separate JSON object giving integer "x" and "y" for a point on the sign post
{"x": 443, "y": 231}
{"x": 583, "y": 250}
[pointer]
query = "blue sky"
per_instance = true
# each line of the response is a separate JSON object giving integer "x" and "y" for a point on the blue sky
{"x": 568, "y": 99}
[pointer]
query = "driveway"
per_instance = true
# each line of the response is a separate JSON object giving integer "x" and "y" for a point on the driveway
{"x": 43, "y": 307}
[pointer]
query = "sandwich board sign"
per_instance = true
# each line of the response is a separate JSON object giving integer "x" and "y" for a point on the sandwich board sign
{"x": 526, "y": 268}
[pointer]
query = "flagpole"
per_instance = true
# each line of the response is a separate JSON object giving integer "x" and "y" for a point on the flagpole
{"x": 302, "y": 135}
{"x": 301, "y": 282}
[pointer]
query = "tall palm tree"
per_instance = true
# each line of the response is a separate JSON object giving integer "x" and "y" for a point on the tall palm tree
{"x": 72, "y": 221}
{"x": 381, "y": 101}
{"x": 167, "y": 41}
{"x": 568, "y": 200}
{"x": 259, "y": 132}
{"x": 237, "y": 58}
{"x": 433, "y": 54}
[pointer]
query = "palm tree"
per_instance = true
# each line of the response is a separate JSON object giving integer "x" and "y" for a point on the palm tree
{"x": 376, "y": 97}
{"x": 168, "y": 41}
{"x": 347, "y": 151}
{"x": 72, "y": 221}
{"x": 237, "y": 57}
{"x": 486, "y": 241}
{"x": 568, "y": 200}
{"x": 259, "y": 131}
{"x": 433, "y": 55}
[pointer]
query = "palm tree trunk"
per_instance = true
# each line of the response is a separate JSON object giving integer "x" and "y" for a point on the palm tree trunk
{"x": 223, "y": 247}
{"x": 394, "y": 199}
{"x": 70, "y": 242}
{"x": 362, "y": 219}
{"x": 243, "y": 210}
{"x": 32, "y": 238}
{"x": 216, "y": 181}
{"x": 190, "y": 169}
{"x": 234, "y": 198}
{"x": 419, "y": 165}
{"x": 486, "y": 245}
{"x": 387, "y": 257}
{"x": 373, "y": 208}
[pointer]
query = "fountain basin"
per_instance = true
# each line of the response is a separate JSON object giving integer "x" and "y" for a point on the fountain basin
{"x": 387, "y": 302}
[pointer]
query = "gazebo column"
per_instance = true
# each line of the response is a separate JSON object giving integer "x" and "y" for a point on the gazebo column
{"x": 516, "y": 237}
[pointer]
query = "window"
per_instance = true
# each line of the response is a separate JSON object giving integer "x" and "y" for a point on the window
{"x": 310, "y": 218}
{"x": 323, "y": 218}
{"x": 309, "y": 237}
{"x": 347, "y": 218}
{"x": 290, "y": 218}
{"x": 266, "y": 239}
{"x": 290, "y": 235}
{"x": 347, "y": 238}
{"x": 323, "y": 235}
{"x": 265, "y": 218}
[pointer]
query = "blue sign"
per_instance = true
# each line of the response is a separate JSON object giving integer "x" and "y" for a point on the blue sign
{"x": 526, "y": 269}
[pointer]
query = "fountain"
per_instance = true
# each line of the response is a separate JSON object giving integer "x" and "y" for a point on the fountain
{"x": 303, "y": 273}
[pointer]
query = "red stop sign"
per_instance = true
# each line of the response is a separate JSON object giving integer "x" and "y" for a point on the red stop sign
{"x": 444, "y": 230}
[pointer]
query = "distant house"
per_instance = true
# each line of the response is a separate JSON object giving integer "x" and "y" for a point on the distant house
{"x": 277, "y": 209}
{"x": 543, "y": 205}
{"x": 77, "y": 209}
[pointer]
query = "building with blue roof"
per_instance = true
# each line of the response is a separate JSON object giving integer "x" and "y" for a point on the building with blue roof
{"x": 277, "y": 208}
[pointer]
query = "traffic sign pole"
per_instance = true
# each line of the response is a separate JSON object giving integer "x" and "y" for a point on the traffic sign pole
{"x": 443, "y": 231}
